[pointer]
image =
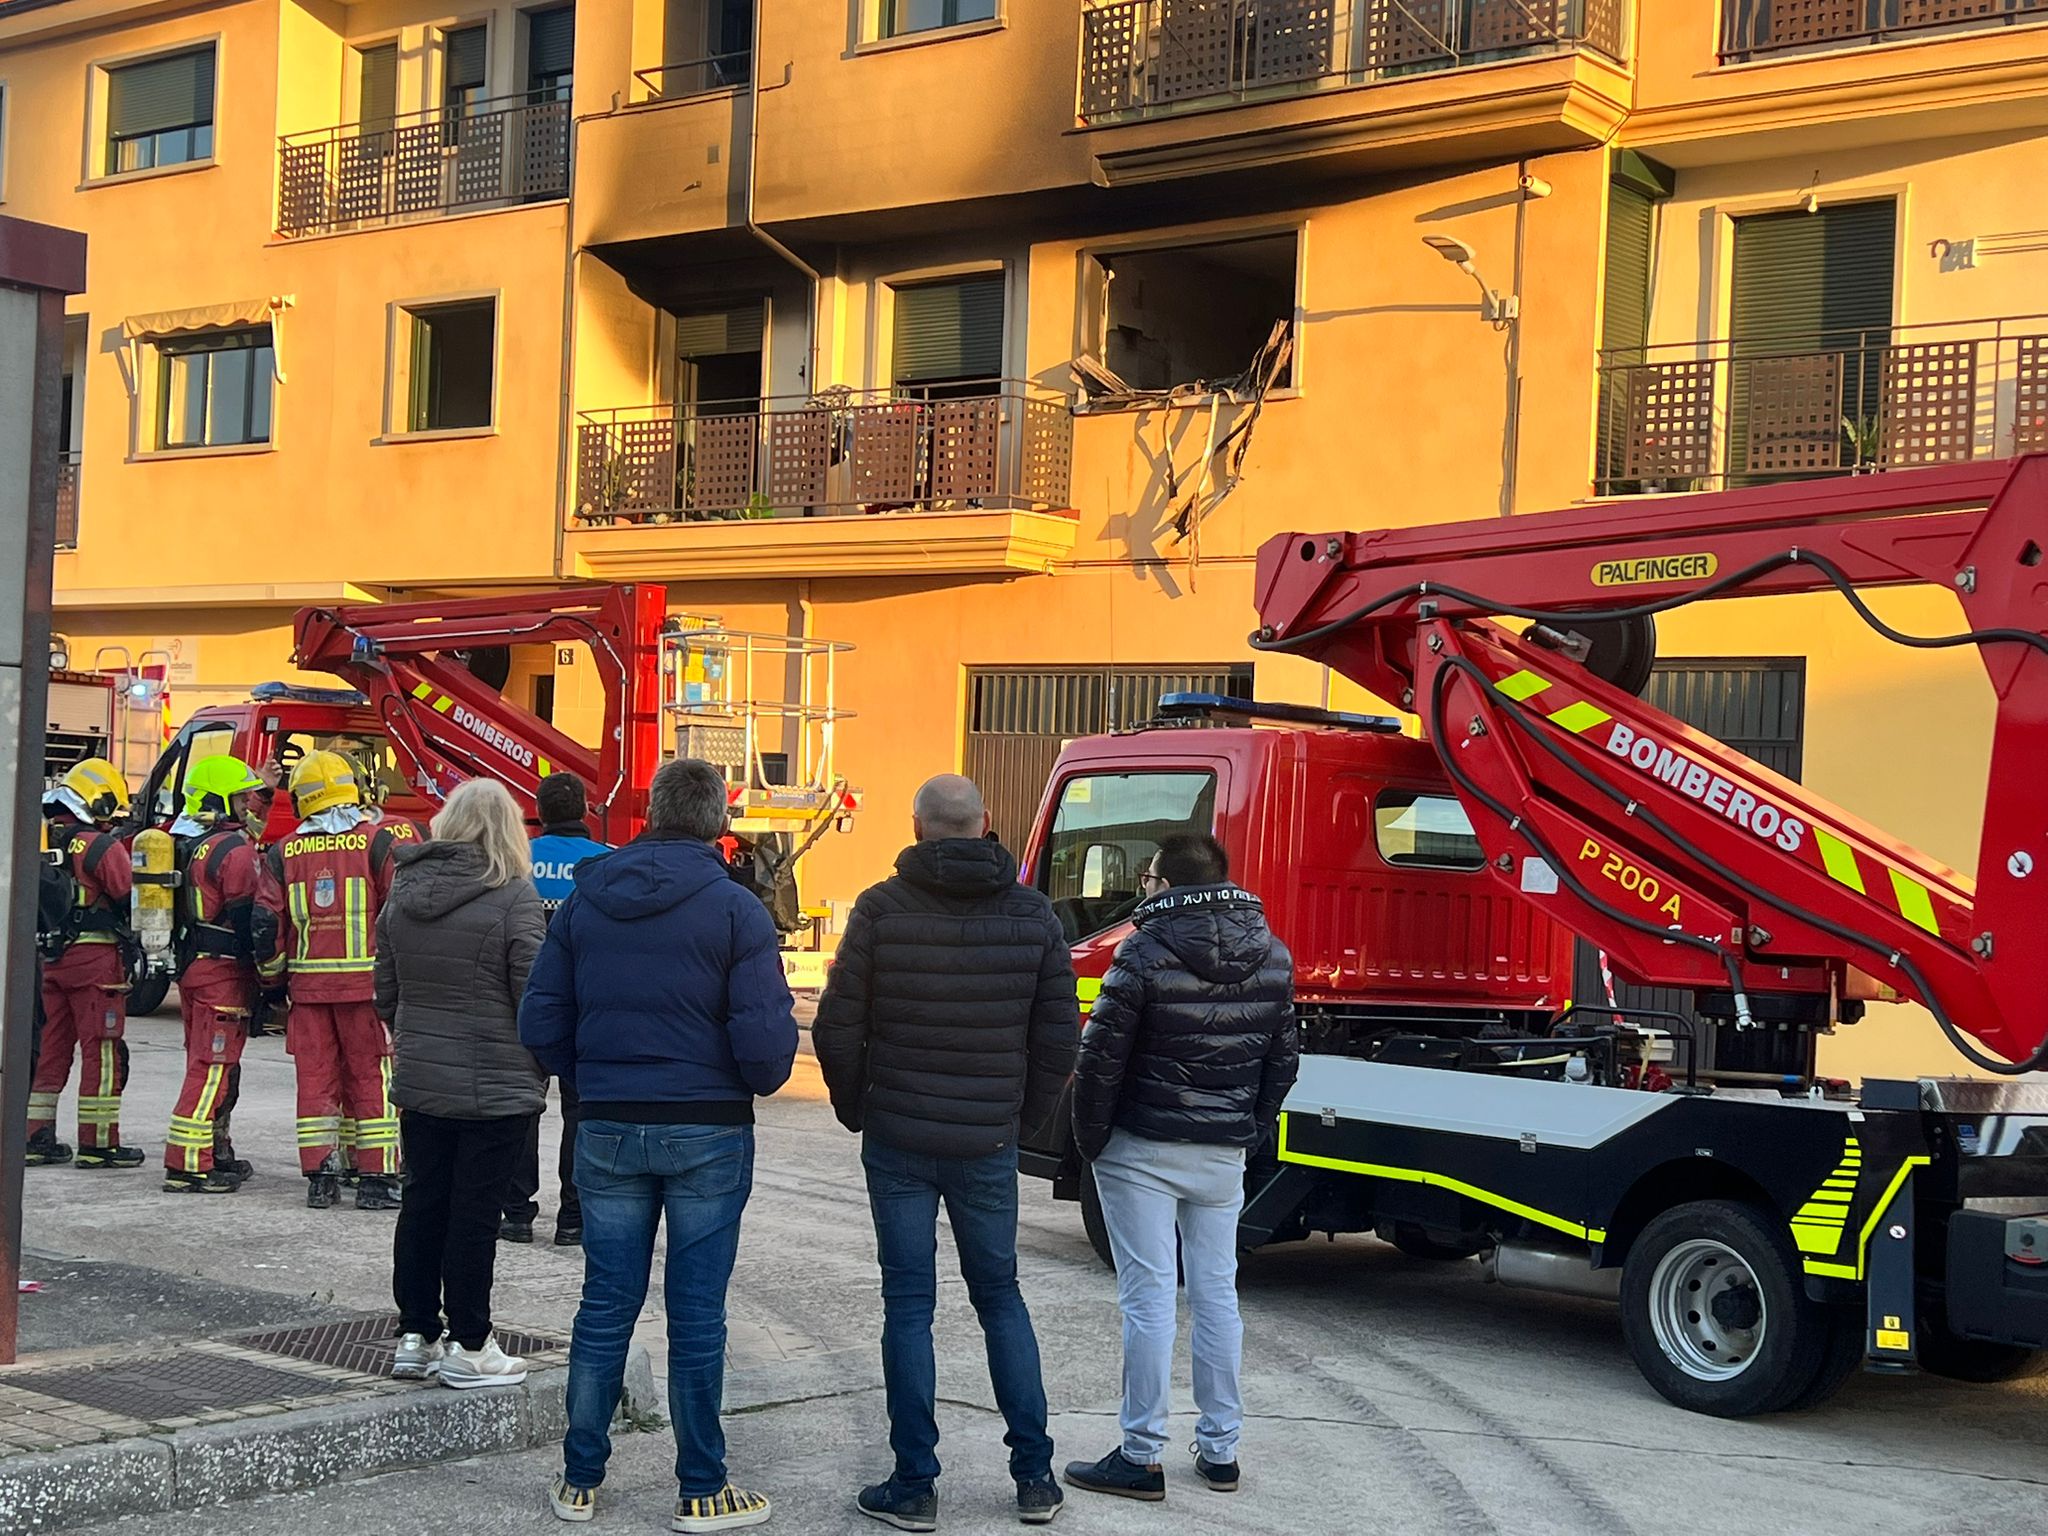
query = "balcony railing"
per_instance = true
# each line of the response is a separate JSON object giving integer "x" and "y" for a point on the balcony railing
{"x": 695, "y": 77}
{"x": 1753, "y": 27}
{"x": 422, "y": 165}
{"x": 996, "y": 445}
{"x": 1704, "y": 415}
{"x": 1140, "y": 58}
{"x": 67, "y": 501}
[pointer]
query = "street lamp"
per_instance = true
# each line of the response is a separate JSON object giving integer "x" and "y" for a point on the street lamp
{"x": 1496, "y": 311}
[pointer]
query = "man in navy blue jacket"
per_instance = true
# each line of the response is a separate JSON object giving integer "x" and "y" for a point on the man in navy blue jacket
{"x": 564, "y": 842}
{"x": 659, "y": 995}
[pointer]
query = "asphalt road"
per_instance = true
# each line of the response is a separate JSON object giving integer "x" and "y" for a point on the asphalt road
{"x": 1384, "y": 1394}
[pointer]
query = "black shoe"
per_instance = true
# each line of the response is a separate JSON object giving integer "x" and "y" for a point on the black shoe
{"x": 46, "y": 1151}
{"x": 234, "y": 1165}
{"x": 1039, "y": 1500}
{"x": 510, "y": 1231}
{"x": 377, "y": 1192}
{"x": 908, "y": 1509}
{"x": 568, "y": 1234}
{"x": 111, "y": 1157}
{"x": 1116, "y": 1473}
{"x": 322, "y": 1190}
{"x": 351, "y": 1178}
{"x": 1219, "y": 1475}
{"x": 218, "y": 1182}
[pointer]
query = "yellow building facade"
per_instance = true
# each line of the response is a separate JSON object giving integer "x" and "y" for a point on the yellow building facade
{"x": 786, "y": 303}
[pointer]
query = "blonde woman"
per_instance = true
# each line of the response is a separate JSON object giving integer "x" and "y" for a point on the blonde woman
{"x": 454, "y": 944}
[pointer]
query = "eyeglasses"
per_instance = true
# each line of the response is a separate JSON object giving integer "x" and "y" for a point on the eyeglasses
{"x": 1148, "y": 878}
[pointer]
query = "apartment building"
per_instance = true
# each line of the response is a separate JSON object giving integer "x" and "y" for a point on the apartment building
{"x": 994, "y": 336}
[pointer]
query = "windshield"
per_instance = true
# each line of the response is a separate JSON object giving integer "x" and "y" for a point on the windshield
{"x": 1106, "y": 828}
{"x": 370, "y": 751}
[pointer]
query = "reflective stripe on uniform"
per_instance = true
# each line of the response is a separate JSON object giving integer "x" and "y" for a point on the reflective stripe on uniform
{"x": 319, "y": 1130}
{"x": 356, "y": 895}
{"x": 295, "y": 895}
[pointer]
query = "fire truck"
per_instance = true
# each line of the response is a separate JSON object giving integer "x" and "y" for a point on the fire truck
{"x": 1764, "y": 1230}
{"x": 420, "y": 710}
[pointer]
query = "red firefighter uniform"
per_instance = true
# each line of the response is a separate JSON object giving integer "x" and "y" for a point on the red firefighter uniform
{"x": 320, "y": 894}
{"x": 216, "y": 992}
{"x": 85, "y": 1002}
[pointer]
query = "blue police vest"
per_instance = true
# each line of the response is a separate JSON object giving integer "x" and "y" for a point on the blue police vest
{"x": 555, "y": 857}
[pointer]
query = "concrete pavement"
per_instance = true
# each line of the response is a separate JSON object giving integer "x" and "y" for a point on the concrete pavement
{"x": 1385, "y": 1394}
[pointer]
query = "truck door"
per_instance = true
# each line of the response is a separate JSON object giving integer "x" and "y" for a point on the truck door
{"x": 1106, "y": 825}
{"x": 199, "y": 738}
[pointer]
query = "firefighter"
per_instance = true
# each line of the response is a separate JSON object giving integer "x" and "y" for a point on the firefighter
{"x": 85, "y": 974}
{"x": 314, "y": 928}
{"x": 225, "y": 803}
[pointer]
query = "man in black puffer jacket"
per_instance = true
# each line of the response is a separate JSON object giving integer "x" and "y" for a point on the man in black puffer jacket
{"x": 949, "y": 1020}
{"x": 1188, "y": 1054}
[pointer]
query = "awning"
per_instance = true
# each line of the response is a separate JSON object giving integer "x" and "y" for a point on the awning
{"x": 211, "y": 317}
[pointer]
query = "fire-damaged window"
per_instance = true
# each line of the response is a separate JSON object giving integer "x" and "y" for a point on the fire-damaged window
{"x": 1183, "y": 314}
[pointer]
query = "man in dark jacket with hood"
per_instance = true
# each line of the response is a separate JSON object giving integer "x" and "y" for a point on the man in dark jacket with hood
{"x": 659, "y": 998}
{"x": 948, "y": 1021}
{"x": 1189, "y": 1051}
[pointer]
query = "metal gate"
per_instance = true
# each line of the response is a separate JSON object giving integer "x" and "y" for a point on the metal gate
{"x": 1018, "y": 718}
{"x": 1757, "y": 707}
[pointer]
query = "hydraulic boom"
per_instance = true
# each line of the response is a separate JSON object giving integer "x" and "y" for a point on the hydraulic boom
{"x": 1691, "y": 864}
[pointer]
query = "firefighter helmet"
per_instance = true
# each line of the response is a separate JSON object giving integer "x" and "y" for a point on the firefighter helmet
{"x": 322, "y": 780}
{"x": 100, "y": 788}
{"x": 212, "y": 783}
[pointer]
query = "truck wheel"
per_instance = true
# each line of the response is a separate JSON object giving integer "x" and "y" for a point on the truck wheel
{"x": 1091, "y": 1217}
{"x": 1715, "y": 1314}
{"x": 146, "y": 993}
{"x": 1840, "y": 1358}
{"x": 1942, "y": 1352}
{"x": 1418, "y": 1244}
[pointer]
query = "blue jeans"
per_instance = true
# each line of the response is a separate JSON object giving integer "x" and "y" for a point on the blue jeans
{"x": 904, "y": 1189}
{"x": 629, "y": 1175}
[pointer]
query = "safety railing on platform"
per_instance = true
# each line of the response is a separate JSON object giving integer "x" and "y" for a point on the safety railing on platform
{"x": 418, "y": 165}
{"x": 1753, "y": 27}
{"x": 1140, "y": 58}
{"x": 993, "y": 444}
{"x": 1703, "y": 415}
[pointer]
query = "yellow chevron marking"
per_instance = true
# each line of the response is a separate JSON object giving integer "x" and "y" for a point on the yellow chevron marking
{"x": 1915, "y": 906}
{"x": 1580, "y": 717}
{"x": 1840, "y": 860}
{"x": 1522, "y": 685}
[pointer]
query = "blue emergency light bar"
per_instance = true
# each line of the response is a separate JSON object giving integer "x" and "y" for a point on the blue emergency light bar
{"x": 1213, "y": 706}
{"x": 294, "y": 693}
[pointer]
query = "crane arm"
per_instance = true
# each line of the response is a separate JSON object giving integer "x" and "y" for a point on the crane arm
{"x": 453, "y": 726}
{"x": 1693, "y": 865}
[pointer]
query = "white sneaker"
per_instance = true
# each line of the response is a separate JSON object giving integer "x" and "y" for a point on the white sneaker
{"x": 572, "y": 1503}
{"x": 415, "y": 1359}
{"x": 486, "y": 1367}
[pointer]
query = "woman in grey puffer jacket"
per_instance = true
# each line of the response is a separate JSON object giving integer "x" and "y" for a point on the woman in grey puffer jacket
{"x": 454, "y": 944}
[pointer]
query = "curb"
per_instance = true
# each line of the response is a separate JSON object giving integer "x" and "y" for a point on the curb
{"x": 217, "y": 1464}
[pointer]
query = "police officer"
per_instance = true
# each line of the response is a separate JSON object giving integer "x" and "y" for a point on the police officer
{"x": 225, "y": 802}
{"x": 314, "y": 929}
{"x": 85, "y": 974}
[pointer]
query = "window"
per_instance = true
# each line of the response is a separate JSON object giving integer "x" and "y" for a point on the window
{"x": 1430, "y": 831}
{"x": 1106, "y": 827}
{"x": 450, "y": 366}
{"x": 718, "y": 360}
{"x": 213, "y": 389}
{"x": 196, "y": 742}
{"x": 160, "y": 111}
{"x": 377, "y": 87}
{"x": 902, "y": 17}
{"x": 949, "y": 336}
{"x": 375, "y": 761}
{"x": 1194, "y": 312}
{"x": 550, "y": 53}
{"x": 464, "y": 57}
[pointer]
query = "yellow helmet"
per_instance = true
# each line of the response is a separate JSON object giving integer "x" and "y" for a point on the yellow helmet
{"x": 323, "y": 780}
{"x": 100, "y": 787}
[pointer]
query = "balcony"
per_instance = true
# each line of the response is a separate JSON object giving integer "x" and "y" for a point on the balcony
{"x": 1759, "y": 28}
{"x": 67, "y": 500}
{"x": 695, "y": 77}
{"x": 422, "y": 165}
{"x": 1704, "y": 415}
{"x": 972, "y": 479}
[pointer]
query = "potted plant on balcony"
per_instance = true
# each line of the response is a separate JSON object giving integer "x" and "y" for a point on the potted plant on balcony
{"x": 1862, "y": 440}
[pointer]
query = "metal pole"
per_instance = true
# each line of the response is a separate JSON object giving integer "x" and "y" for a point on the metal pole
{"x": 38, "y": 267}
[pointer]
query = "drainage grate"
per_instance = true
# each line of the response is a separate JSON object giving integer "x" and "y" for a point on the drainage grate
{"x": 365, "y": 1344}
{"x": 177, "y": 1387}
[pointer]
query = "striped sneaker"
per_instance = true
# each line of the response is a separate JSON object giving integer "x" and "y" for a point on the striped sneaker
{"x": 572, "y": 1503}
{"x": 726, "y": 1510}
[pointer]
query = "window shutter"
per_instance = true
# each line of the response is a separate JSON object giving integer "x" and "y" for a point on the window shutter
{"x": 950, "y": 330}
{"x": 719, "y": 331}
{"x": 464, "y": 58}
{"x": 1815, "y": 279}
{"x": 1625, "y": 310}
{"x": 379, "y": 97}
{"x": 175, "y": 91}
{"x": 550, "y": 43}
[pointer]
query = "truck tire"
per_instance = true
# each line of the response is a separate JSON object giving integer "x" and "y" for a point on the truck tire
{"x": 1715, "y": 1314}
{"x": 1091, "y": 1217}
{"x": 1840, "y": 1358}
{"x": 1418, "y": 1244}
{"x": 1943, "y": 1352}
{"x": 146, "y": 992}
